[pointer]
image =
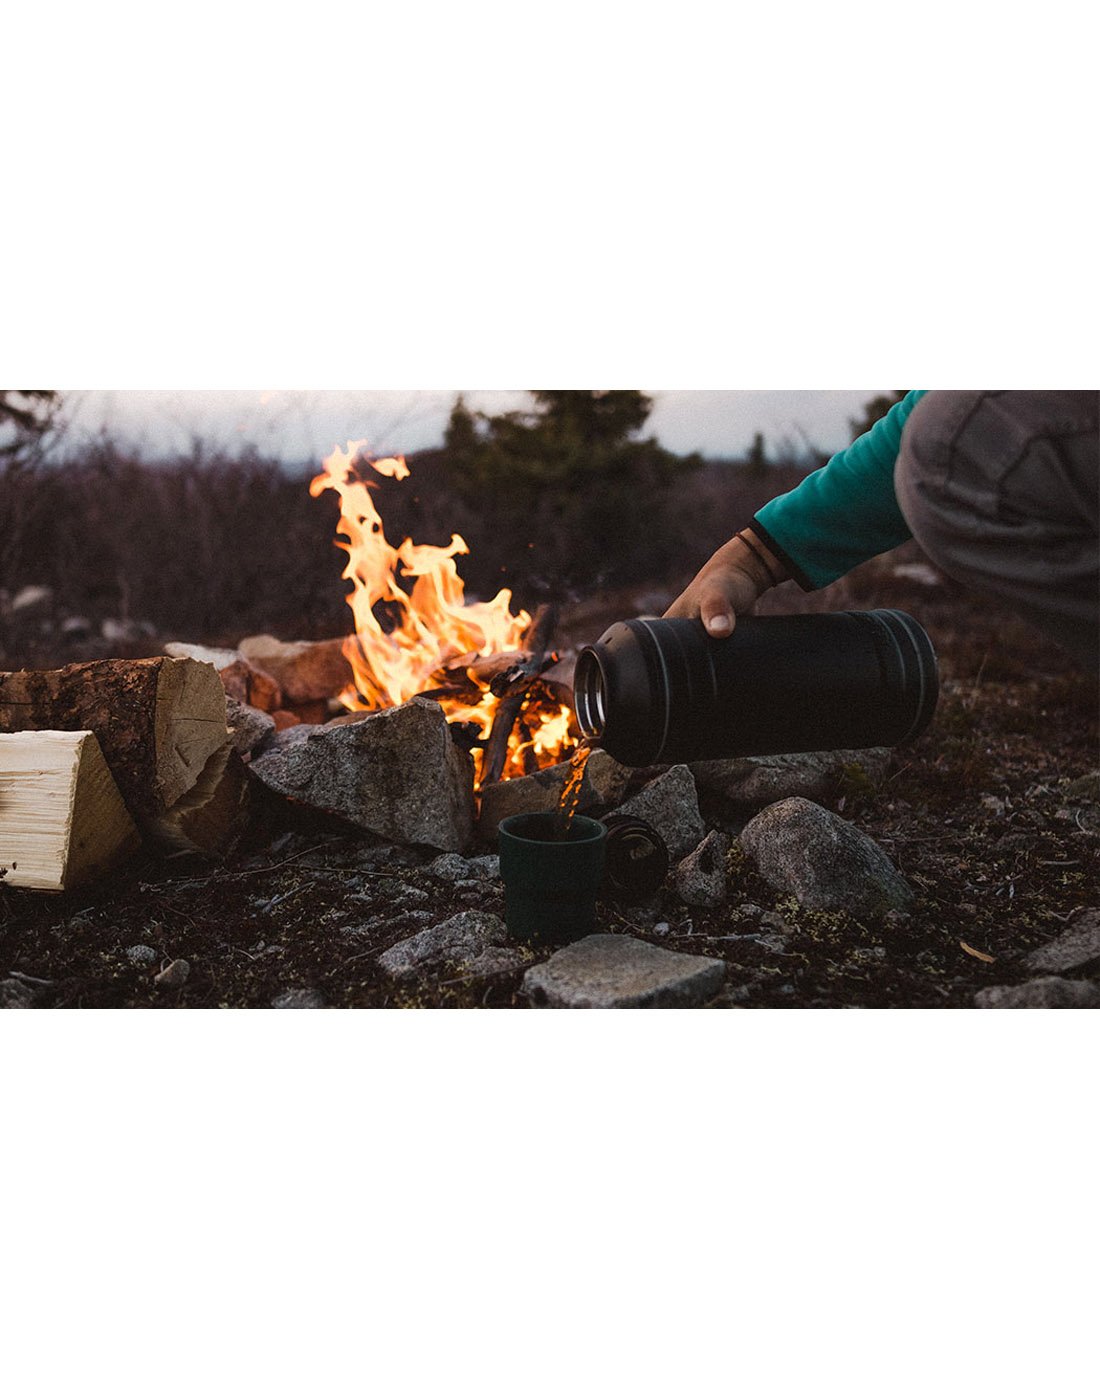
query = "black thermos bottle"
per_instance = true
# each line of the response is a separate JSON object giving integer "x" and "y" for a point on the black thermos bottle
{"x": 661, "y": 690}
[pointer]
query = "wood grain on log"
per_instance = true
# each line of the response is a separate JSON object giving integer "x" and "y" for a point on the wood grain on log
{"x": 62, "y": 818}
{"x": 157, "y": 720}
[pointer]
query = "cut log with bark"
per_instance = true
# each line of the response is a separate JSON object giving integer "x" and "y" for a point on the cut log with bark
{"x": 158, "y": 721}
{"x": 62, "y": 818}
{"x": 537, "y": 643}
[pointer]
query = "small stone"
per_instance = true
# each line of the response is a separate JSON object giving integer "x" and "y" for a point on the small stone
{"x": 449, "y": 867}
{"x": 610, "y": 970}
{"x": 304, "y": 670}
{"x": 33, "y": 598}
{"x": 299, "y": 999}
{"x": 701, "y": 876}
{"x": 174, "y": 975}
{"x": 1042, "y": 993}
{"x": 218, "y": 657}
{"x": 603, "y": 785}
{"x": 757, "y": 782}
{"x": 662, "y": 928}
{"x": 1076, "y": 947}
{"x": 141, "y": 953}
{"x": 824, "y": 861}
{"x": 249, "y": 727}
{"x": 251, "y": 686}
{"x": 15, "y": 995}
{"x": 484, "y": 867}
{"x": 469, "y": 945}
{"x": 670, "y": 805}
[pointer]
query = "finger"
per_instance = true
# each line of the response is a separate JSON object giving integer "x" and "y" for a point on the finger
{"x": 716, "y": 612}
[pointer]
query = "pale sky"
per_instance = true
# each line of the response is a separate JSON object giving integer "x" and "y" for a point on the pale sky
{"x": 303, "y": 425}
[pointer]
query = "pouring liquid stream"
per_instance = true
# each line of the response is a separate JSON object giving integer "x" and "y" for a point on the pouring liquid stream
{"x": 570, "y": 797}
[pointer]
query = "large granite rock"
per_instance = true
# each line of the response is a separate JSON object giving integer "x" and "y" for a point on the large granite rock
{"x": 670, "y": 805}
{"x": 471, "y": 944}
{"x": 823, "y": 860}
{"x": 610, "y": 970}
{"x": 305, "y": 671}
{"x": 395, "y": 772}
{"x": 1042, "y": 994}
{"x": 604, "y": 784}
{"x": 756, "y": 782}
{"x": 1078, "y": 946}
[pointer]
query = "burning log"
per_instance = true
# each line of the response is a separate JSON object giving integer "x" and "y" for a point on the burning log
{"x": 537, "y": 642}
{"x": 62, "y": 817}
{"x": 517, "y": 678}
{"x": 158, "y": 721}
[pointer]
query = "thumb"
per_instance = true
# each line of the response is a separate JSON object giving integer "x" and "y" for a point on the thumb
{"x": 717, "y": 612}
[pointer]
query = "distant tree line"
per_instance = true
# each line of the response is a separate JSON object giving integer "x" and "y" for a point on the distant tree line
{"x": 561, "y": 500}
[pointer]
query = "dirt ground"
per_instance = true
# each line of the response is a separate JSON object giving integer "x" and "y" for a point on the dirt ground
{"x": 993, "y": 816}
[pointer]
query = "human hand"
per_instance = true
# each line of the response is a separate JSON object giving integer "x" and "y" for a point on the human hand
{"x": 728, "y": 584}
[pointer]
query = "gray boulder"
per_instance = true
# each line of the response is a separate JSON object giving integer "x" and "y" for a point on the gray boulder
{"x": 824, "y": 861}
{"x": 701, "y": 876}
{"x": 470, "y": 944}
{"x": 395, "y": 772}
{"x": 756, "y": 782}
{"x": 1042, "y": 993}
{"x": 670, "y": 805}
{"x": 604, "y": 784}
{"x": 611, "y": 970}
{"x": 1078, "y": 946}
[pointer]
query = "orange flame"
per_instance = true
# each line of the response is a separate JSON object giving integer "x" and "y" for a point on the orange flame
{"x": 428, "y": 626}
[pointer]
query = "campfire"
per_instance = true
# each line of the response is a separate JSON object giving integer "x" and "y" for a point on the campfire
{"x": 428, "y": 710}
{"x": 415, "y": 634}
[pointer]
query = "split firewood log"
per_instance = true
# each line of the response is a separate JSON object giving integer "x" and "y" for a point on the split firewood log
{"x": 157, "y": 720}
{"x": 62, "y": 817}
{"x": 206, "y": 818}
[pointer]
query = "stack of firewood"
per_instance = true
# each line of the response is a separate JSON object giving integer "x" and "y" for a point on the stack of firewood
{"x": 100, "y": 756}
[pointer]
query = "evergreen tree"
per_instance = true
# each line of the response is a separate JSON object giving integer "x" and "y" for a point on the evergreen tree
{"x": 756, "y": 463}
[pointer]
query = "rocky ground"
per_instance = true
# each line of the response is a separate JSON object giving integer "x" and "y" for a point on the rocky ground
{"x": 962, "y": 871}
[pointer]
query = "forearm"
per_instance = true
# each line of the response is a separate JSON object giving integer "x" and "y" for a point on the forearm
{"x": 843, "y": 514}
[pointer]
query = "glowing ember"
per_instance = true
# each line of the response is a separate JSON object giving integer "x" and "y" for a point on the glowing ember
{"x": 429, "y": 625}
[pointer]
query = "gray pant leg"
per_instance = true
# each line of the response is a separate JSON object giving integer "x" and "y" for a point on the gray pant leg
{"x": 1002, "y": 491}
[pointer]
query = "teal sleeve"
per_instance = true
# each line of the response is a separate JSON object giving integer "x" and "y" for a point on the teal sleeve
{"x": 844, "y": 513}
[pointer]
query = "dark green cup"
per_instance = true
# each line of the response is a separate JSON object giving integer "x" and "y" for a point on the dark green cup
{"x": 550, "y": 883}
